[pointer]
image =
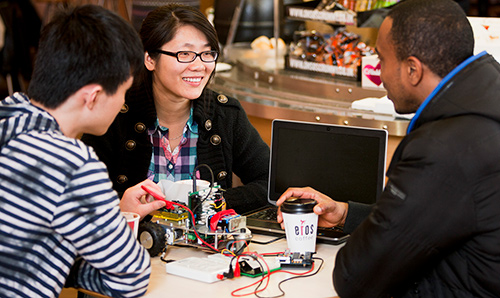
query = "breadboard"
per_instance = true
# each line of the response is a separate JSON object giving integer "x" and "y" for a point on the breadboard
{"x": 202, "y": 269}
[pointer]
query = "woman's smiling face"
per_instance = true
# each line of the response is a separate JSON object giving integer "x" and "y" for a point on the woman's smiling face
{"x": 182, "y": 80}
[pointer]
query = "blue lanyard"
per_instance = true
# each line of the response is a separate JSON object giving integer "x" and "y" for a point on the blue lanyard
{"x": 441, "y": 84}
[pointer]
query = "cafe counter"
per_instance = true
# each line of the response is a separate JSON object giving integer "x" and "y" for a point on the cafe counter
{"x": 268, "y": 91}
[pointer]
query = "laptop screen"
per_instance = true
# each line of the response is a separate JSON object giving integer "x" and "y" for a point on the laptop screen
{"x": 344, "y": 162}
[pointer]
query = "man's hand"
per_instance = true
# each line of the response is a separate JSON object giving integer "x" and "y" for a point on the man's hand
{"x": 135, "y": 199}
{"x": 331, "y": 213}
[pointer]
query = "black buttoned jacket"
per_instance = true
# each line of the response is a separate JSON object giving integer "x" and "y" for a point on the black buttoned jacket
{"x": 227, "y": 142}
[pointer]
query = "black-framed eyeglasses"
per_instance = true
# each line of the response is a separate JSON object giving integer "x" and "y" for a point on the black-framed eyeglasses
{"x": 190, "y": 56}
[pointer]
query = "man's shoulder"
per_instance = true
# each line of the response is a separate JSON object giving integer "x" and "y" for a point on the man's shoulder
{"x": 464, "y": 128}
{"x": 454, "y": 142}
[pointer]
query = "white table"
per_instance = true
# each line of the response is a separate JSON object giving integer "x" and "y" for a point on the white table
{"x": 167, "y": 285}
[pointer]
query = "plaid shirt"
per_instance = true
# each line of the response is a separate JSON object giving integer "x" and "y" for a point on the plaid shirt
{"x": 176, "y": 165}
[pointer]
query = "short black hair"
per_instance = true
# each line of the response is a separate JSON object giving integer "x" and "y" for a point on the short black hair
{"x": 437, "y": 32}
{"x": 160, "y": 26}
{"x": 84, "y": 45}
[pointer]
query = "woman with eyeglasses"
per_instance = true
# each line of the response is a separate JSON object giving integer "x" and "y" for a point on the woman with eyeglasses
{"x": 171, "y": 122}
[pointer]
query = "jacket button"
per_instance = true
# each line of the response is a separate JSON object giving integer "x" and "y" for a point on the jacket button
{"x": 222, "y": 175}
{"x": 208, "y": 124}
{"x": 124, "y": 108}
{"x": 130, "y": 145}
{"x": 121, "y": 179}
{"x": 215, "y": 140}
{"x": 222, "y": 98}
{"x": 140, "y": 127}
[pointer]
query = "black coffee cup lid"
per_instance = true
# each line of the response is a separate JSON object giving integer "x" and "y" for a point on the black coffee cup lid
{"x": 298, "y": 205}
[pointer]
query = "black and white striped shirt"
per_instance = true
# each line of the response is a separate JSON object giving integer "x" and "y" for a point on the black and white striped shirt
{"x": 56, "y": 205}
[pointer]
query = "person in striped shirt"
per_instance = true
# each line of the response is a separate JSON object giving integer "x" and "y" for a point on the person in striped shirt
{"x": 60, "y": 221}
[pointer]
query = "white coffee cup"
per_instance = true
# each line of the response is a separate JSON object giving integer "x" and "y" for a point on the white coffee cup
{"x": 133, "y": 221}
{"x": 300, "y": 224}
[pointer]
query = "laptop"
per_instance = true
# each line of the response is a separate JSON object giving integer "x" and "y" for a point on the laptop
{"x": 347, "y": 163}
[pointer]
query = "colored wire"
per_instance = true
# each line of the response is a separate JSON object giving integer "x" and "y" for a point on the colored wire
{"x": 272, "y": 254}
{"x": 228, "y": 251}
{"x": 270, "y": 241}
{"x": 268, "y": 276}
{"x": 257, "y": 282}
{"x": 298, "y": 275}
{"x": 193, "y": 175}
{"x": 194, "y": 226}
{"x": 241, "y": 249}
{"x": 169, "y": 204}
{"x": 220, "y": 206}
{"x": 268, "y": 279}
{"x": 194, "y": 183}
{"x": 305, "y": 274}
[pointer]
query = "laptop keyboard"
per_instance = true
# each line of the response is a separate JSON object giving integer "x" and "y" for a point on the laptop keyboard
{"x": 266, "y": 214}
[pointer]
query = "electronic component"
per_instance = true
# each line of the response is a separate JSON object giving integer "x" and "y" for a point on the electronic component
{"x": 296, "y": 259}
{"x": 209, "y": 227}
{"x": 250, "y": 267}
{"x": 227, "y": 221}
{"x": 174, "y": 213}
{"x": 236, "y": 222}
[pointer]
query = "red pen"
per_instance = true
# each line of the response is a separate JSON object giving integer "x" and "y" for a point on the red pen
{"x": 158, "y": 196}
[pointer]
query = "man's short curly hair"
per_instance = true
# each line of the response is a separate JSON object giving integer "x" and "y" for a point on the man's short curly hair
{"x": 437, "y": 32}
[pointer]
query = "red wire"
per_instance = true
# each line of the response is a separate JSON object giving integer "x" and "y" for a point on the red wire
{"x": 264, "y": 277}
{"x": 272, "y": 253}
{"x": 194, "y": 229}
{"x": 217, "y": 216}
{"x": 295, "y": 273}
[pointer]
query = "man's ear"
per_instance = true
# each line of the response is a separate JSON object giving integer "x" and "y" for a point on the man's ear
{"x": 149, "y": 62}
{"x": 90, "y": 95}
{"x": 414, "y": 70}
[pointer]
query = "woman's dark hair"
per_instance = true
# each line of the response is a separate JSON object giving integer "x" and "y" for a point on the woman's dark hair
{"x": 81, "y": 46}
{"x": 437, "y": 32}
{"x": 161, "y": 25}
